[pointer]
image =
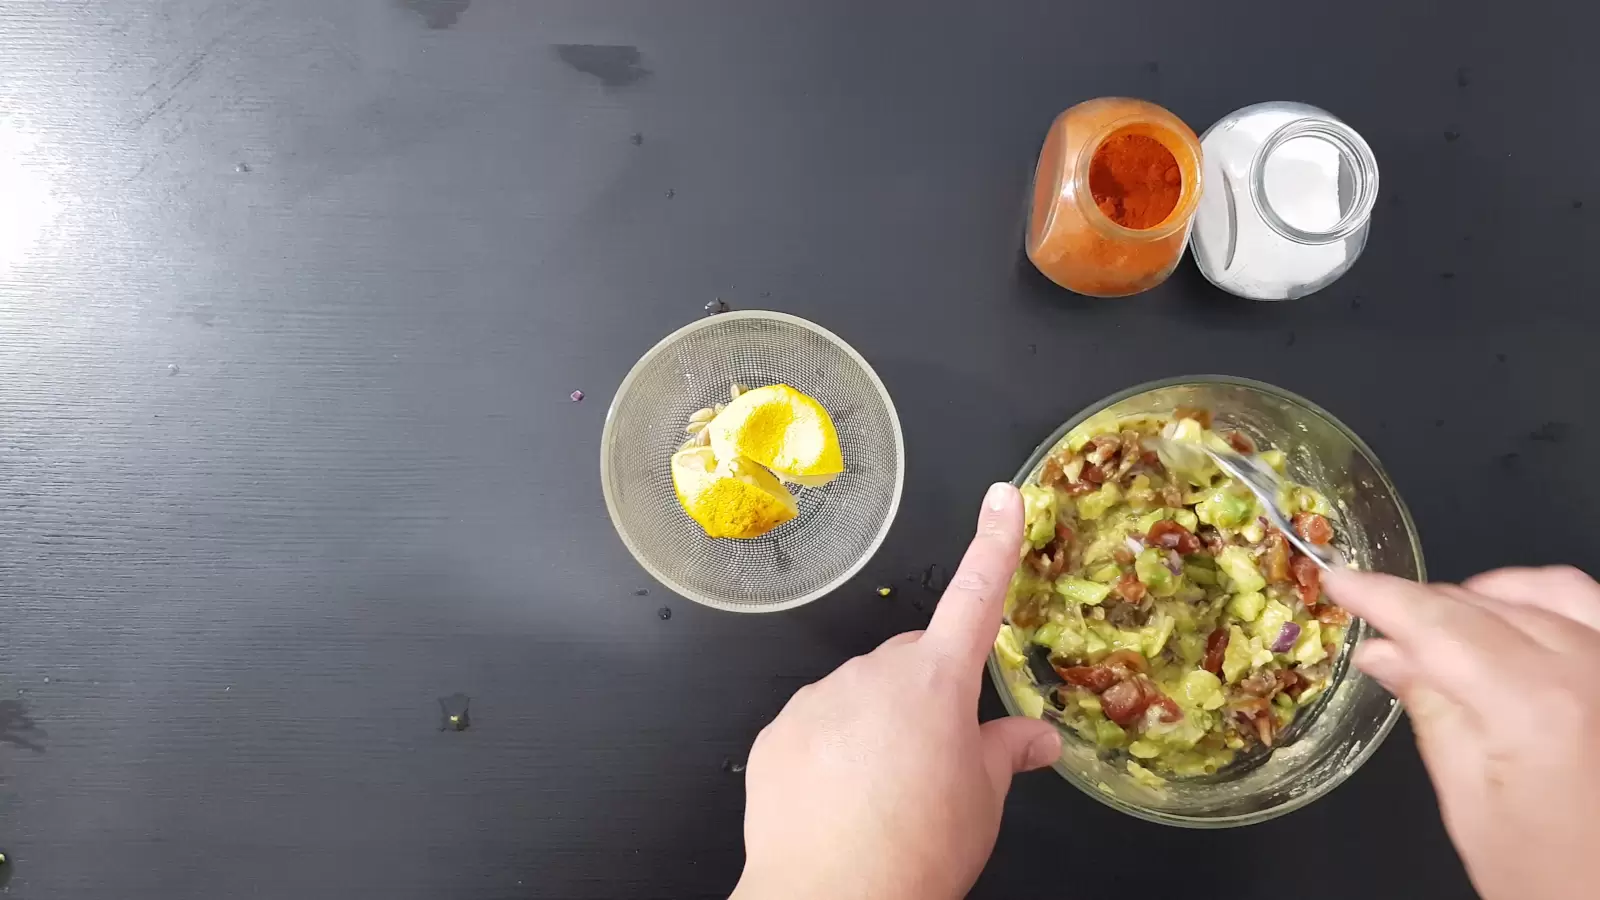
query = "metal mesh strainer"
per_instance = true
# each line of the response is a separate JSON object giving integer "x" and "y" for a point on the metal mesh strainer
{"x": 839, "y": 526}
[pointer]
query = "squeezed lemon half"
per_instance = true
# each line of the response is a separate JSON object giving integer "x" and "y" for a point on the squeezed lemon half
{"x": 732, "y": 498}
{"x": 734, "y": 488}
{"x": 782, "y": 429}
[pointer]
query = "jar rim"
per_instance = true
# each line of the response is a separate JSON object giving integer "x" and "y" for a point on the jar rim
{"x": 1351, "y": 147}
{"x": 1188, "y": 198}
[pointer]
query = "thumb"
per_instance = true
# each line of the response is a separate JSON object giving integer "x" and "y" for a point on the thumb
{"x": 1017, "y": 744}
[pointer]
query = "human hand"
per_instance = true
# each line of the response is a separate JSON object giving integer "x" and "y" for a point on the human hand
{"x": 1501, "y": 677}
{"x": 878, "y": 781}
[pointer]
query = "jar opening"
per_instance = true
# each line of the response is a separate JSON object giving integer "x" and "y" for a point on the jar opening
{"x": 1314, "y": 182}
{"x": 1135, "y": 180}
{"x": 1170, "y": 166}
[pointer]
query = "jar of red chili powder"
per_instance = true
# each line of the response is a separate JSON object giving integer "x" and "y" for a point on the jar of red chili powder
{"x": 1114, "y": 195}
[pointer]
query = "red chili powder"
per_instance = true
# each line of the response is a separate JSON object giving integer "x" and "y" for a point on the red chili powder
{"x": 1134, "y": 180}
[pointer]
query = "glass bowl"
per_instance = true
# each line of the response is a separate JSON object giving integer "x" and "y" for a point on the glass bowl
{"x": 1376, "y": 530}
{"x": 839, "y": 526}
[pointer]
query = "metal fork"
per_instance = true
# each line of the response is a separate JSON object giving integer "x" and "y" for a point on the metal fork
{"x": 1262, "y": 480}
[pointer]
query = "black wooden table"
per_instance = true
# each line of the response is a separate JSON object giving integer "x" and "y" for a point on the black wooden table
{"x": 293, "y": 295}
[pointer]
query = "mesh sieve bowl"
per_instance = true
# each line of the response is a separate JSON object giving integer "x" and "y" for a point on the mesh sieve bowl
{"x": 839, "y": 526}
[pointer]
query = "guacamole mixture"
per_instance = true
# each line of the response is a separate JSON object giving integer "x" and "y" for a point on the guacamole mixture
{"x": 1162, "y": 615}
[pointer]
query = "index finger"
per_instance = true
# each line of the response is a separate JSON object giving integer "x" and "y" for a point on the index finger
{"x": 1460, "y": 650}
{"x": 1562, "y": 590}
{"x": 968, "y": 615}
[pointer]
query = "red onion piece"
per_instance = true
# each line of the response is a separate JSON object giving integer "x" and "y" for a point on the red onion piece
{"x": 1134, "y": 545}
{"x": 1174, "y": 562}
{"x": 1286, "y": 638}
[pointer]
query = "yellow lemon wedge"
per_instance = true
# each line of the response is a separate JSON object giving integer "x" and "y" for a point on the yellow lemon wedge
{"x": 782, "y": 429}
{"x": 733, "y": 498}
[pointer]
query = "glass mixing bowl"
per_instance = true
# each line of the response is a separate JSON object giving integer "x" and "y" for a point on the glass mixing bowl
{"x": 1376, "y": 532}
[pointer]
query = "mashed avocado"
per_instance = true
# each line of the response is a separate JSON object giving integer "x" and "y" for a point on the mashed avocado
{"x": 1182, "y": 627}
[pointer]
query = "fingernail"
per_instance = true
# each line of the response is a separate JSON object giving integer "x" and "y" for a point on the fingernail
{"x": 998, "y": 494}
{"x": 1044, "y": 750}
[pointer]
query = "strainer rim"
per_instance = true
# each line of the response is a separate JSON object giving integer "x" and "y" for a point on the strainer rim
{"x": 608, "y": 435}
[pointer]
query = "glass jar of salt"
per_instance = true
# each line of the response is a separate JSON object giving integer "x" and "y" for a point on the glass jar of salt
{"x": 1289, "y": 194}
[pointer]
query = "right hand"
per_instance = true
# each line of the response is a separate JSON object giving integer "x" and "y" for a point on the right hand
{"x": 1501, "y": 677}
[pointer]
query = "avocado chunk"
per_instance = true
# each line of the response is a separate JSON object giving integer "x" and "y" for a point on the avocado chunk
{"x": 1243, "y": 576}
{"x": 1081, "y": 590}
{"x": 1151, "y": 568}
{"x": 1039, "y": 512}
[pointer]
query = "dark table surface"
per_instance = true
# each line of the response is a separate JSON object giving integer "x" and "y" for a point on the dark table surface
{"x": 293, "y": 294}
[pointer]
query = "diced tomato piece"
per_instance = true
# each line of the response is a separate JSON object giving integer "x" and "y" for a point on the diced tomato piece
{"x": 1130, "y": 588}
{"x": 1172, "y": 536}
{"x": 1216, "y": 648}
{"x": 1313, "y": 528}
{"x": 1328, "y": 614}
{"x": 1277, "y": 557}
{"x": 1095, "y": 678}
{"x": 1240, "y": 442}
{"x": 1309, "y": 594}
{"x": 1124, "y": 702}
{"x": 1164, "y": 534}
{"x": 1307, "y": 579}
{"x": 1170, "y": 711}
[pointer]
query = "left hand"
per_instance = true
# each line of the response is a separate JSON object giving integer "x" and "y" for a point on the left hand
{"x": 878, "y": 781}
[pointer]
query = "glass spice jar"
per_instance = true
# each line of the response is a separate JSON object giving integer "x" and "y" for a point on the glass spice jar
{"x": 1289, "y": 198}
{"x": 1114, "y": 194}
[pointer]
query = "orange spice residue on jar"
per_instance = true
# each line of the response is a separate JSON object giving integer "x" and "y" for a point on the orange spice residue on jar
{"x": 1114, "y": 196}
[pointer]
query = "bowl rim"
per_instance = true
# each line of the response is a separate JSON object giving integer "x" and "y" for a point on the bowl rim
{"x": 997, "y": 677}
{"x": 607, "y": 436}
